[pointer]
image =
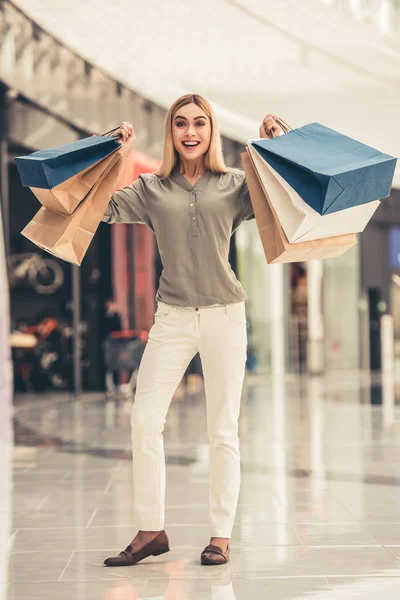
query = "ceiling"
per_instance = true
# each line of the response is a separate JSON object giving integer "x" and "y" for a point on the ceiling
{"x": 295, "y": 58}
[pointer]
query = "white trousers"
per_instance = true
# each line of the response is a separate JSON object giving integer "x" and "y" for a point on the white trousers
{"x": 219, "y": 334}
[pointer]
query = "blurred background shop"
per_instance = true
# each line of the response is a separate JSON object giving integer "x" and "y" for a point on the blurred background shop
{"x": 313, "y": 317}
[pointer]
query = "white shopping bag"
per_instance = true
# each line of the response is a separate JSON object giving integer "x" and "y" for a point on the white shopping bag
{"x": 300, "y": 222}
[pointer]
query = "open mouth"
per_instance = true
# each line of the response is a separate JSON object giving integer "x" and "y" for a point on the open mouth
{"x": 190, "y": 144}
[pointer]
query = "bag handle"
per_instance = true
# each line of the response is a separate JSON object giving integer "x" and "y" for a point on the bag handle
{"x": 111, "y": 131}
{"x": 283, "y": 125}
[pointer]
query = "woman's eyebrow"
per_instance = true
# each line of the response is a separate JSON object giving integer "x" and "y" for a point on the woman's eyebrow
{"x": 185, "y": 119}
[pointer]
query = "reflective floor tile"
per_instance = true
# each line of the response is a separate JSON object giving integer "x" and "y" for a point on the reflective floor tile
{"x": 72, "y": 499}
{"x": 300, "y": 501}
{"x": 39, "y": 477}
{"x": 280, "y": 589}
{"x": 368, "y": 588}
{"x": 292, "y": 561}
{"x": 320, "y": 515}
{"x": 114, "y": 588}
{"x": 382, "y": 513}
{"x": 24, "y": 502}
{"x": 357, "y": 491}
{"x": 314, "y": 502}
{"x": 393, "y": 550}
{"x": 70, "y": 590}
{"x": 209, "y": 587}
{"x": 32, "y": 565}
{"x": 84, "y": 485}
{"x": 338, "y": 534}
{"x": 88, "y": 477}
{"x": 42, "y": 518}
{"x": 254, "y": 534}
{"x": 246, "y": 589}
{"x": 384, "y": 533}
{"x": 71, "y": 538}
{"x": 296, "y": 494}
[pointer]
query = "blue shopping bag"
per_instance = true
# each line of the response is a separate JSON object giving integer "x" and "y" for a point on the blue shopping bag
{"x": 330, "y": 171}
{"x": 47, "y": 168}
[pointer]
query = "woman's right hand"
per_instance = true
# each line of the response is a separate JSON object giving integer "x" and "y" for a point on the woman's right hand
{"x": 269, "y": 127}
{"x": 125, "y": 132}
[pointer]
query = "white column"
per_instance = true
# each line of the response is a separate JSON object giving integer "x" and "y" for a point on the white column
{"x": 387, "y": 353}
{"x": 280, "y": 462}
{"x": 385, "y": 17}
{"x": 315, "y": 346}
{"x": 356, "y": 8}
{"x": 6, "y": 414}
{"x": 277, "y": 315}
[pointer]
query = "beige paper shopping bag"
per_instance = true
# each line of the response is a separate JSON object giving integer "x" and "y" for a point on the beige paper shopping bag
{"x": 277, "y": 249}
{"x": 300, "y": 222}
{"x": 66, "y": 197}
{"x": 69, "y": 236}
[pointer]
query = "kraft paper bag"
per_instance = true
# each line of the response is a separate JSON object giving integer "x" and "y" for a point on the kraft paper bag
{"x": 69, "y": 236}
{"x": 300, "y": 222}
{"x": 66, "y": 197}
{"x": 277, "y": 248}
{"x": 329, "y": 170}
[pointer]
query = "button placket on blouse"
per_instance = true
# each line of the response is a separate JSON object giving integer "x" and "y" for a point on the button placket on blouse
{"x": 194, "y": 224}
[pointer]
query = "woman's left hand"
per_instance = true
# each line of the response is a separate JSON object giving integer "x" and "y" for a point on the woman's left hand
{"x": 269, "y": 127}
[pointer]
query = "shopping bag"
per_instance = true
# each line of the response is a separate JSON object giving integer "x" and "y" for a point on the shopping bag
{"x": 277, "y": 249}
{"x": 330, "y": 171}
{"x": 65, "y": 197}
{"x": 69, "y": 236}
{"x": 300, "y": 222}
{"x": 48, "y": 168}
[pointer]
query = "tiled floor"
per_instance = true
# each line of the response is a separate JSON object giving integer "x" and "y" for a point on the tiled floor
{"x": 318, "y": 514}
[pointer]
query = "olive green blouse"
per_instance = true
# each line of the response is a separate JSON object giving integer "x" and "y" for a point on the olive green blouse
{"x": 193, "y": 225}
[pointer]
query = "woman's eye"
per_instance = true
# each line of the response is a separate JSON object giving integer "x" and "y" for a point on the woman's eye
{"x": 200, "y": 123}
{"x": 180, "y": 124}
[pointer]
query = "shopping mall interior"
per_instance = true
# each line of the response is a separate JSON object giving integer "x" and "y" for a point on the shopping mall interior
{"x": 318, "y": 512}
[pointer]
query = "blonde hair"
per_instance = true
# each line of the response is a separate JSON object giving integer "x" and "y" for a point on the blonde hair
{"x": 214, "y": 159}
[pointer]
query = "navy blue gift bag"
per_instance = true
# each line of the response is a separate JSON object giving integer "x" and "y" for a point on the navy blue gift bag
{"x": 47, "y": 168}
{"x": 330, "y": 171}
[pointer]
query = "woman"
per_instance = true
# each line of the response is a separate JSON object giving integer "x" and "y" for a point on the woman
{"x": 192, "y": 204}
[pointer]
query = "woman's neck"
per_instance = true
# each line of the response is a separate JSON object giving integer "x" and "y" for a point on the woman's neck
{"x": 192, "y": 169}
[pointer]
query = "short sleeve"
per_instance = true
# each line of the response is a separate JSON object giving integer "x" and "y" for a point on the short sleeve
{"x": 247, "y": 207}
{"x": 128, "y": 205}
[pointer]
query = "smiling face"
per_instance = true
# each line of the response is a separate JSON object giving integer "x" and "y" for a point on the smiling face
{"x": 191, "y": 131}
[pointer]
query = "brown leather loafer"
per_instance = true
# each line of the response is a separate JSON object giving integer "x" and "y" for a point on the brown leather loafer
{"x": 213, "y": 555}
{"x": 127, "y": 557}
